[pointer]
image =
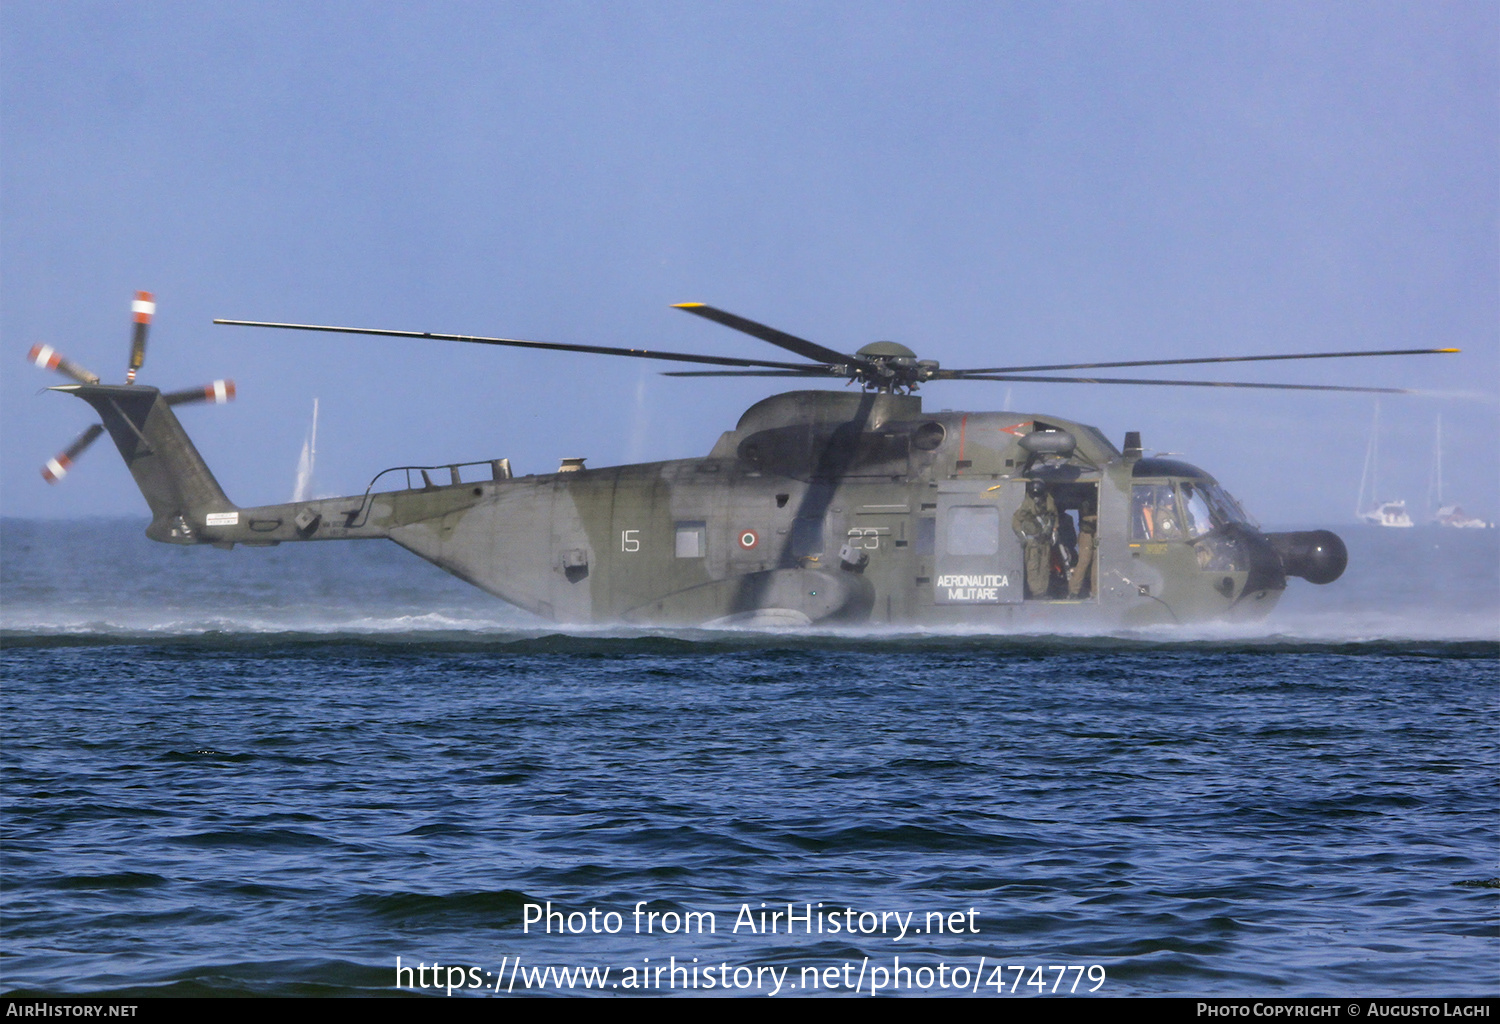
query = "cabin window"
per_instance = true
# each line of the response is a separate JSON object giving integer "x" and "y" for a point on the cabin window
{"x": 973, "y": 530}
{"x": 692, "y": 540}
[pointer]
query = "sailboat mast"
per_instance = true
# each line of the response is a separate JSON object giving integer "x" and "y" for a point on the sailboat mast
{"x": 1438, "y": 462}
{"x": 1368, "y": 473}
{"x": 1435, "y": 468}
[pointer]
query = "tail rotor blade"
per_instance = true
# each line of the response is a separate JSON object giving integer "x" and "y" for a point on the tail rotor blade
{"x": 48, "y": 358}
{"x": 219, "y": 392}
{"x": 58, "y": 467}
{"x": 142, "y": 309}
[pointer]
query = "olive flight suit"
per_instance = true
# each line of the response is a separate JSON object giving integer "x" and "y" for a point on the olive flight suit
{"x": 1088, "y": 529}
{"x": 1034, "y": 524}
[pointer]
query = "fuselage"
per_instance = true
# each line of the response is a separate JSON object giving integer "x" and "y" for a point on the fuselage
{"x": 819, "y": 507}
{"x": 827, "y": 507}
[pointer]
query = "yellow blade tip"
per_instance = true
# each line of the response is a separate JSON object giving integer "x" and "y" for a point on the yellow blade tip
{"x": 687, "y": 305}
{"x": 1450, "y": 350}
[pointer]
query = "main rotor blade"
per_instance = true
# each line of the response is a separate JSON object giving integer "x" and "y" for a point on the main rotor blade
{"x": 142, "y": 310}
{"x": 810, "y": 350}
{"x": 944, "y": 374}
{"x": 57, "y": 468}
{"x": 813, "y": 372}
{"x": 968, "y": 375}
{"x": 598, "y": 350}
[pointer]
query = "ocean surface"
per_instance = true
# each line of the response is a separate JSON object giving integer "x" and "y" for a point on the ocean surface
{"x": 325, "y": 769}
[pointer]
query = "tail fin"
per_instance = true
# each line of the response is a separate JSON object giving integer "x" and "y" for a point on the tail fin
{"x": 176, "y": 482}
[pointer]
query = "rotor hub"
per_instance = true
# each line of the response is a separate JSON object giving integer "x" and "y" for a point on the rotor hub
{"x": 890, "y": 366}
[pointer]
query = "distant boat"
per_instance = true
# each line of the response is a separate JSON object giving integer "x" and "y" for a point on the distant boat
{"x": 1375, "y": 511}
{"x": 1452, "y": 516}
{"x": 1388, "y": 513}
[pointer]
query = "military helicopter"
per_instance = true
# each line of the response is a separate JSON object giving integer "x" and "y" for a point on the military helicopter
{"x": 819, "y": 507}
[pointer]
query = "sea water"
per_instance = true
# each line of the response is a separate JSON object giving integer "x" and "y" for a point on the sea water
{"x": 331, "y": 769}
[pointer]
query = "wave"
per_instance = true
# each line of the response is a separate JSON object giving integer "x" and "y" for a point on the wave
{"x": 497, "y": 623}
{"x": 437, "y": 633}
{"x": 103, "y": 583}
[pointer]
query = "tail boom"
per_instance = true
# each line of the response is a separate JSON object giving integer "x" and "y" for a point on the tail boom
{"x": 178, "y": 486}
{"x": 187, "y": 504}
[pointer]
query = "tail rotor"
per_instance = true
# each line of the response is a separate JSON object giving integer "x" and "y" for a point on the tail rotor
{"x": 143, "y": 310}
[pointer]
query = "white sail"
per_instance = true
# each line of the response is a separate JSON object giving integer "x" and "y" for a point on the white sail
{"x": 1377, "y": 512}
{"x": 1361, "y": 507}
{"x": 303, "y": 489}
{"x": 1440, "y": 514}
{"x": 1435, "y": 473}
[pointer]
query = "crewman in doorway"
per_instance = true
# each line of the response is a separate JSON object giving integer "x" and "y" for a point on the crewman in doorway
{"x": 1035, "y": 526}
{"x": 1064, "y": 553}
{"x": 1088, "y": 529}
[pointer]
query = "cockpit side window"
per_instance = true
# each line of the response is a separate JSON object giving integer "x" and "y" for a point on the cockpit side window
{"x": 1154, "y": 514}
{"x": 1197, "y": 518}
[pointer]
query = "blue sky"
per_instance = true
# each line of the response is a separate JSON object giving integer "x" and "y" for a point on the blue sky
{"x": 986, "y": 183}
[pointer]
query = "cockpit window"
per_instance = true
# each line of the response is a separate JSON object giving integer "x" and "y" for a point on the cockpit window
{"x": 1197, "y": 519}
{"x": 1207, "y": 506}
{"x": 1232, "y": 510}
{"x": 1154, "y": 514}
{"x": 1186, "y": 511}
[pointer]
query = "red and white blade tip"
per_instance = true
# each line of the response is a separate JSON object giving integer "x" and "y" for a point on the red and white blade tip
{"x": 56, "y": 469}
{"x": 44, "y": 356}
{"x": 220, "y": 391}
{"x": 144, "y": 307}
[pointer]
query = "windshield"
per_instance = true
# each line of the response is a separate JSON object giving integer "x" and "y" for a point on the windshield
{"x": 1207, "y": 506}
{"x": 1186, "y": 511}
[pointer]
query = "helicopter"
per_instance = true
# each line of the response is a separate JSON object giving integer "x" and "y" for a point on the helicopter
{"x": 818, "y": 508}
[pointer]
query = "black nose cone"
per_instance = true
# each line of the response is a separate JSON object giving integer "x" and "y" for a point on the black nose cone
{"x": 1318, "y": 556}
